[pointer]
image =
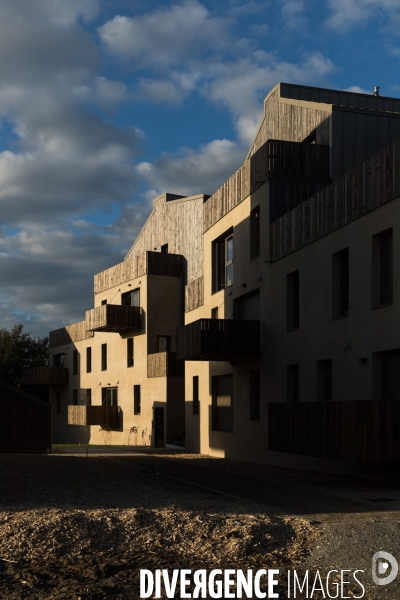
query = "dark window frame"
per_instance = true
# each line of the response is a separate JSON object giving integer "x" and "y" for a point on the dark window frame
{"x": 104, "y": 357}
{"x": 89, "y": 359}
{"x": 222, "y": 262}
{"x": 75, "y": 362}
{"x": 137, "y": 400}
{"x": 255, "y": 233}
{"x": 109, "y": 396}
{"x": 196, "y": 401}
{"x": 130, "y": 352}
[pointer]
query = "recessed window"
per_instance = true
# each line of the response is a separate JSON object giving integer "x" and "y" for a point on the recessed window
{"x": 88, "y": 397}
{"x": 104, "y": 357}
{"x": 196, "y": 402}
{"x": 222, "y": 253}
{"x": 109, "y": 396}
{"x": 75, "y": 362}
{"x": 103, "y": 302}
{"x": 222, "y": 403}
{"x": 292, "y": 383}
{"x": 255, "y": 395}
{"x": 163, "y": 343}
{"x": 164, "y": 249}
{"x": 324, "y": 380}
{"x": 136, "y": 400}
{"x": 129, "y": 352}
{"x": 214, "y": 313}
{"x": 75, "y": 397}
{"x": 390, "y": 375}
{"x": 382, "y": 268}
{"x": 255, "y": 233}
{"x": 131, "y": 298}
{"x": 58, "y": 360}
{"x": 88, "y": 360}
{"x": 340, "y": 284}
{"x": 292, "y": 301}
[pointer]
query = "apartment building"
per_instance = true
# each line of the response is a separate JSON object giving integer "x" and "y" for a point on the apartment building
{"x": 259, "y": 323}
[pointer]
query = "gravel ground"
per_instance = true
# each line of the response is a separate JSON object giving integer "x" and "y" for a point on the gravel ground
{"x": 79, "y": 528}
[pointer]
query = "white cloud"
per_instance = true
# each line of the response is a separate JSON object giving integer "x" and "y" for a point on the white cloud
{"x": 293, "y": 14}
{"x": 348, "y": 13}
{"x": 357, "y": 90}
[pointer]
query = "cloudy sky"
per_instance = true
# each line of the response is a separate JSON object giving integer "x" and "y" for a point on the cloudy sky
{"x": 105, "y": 103}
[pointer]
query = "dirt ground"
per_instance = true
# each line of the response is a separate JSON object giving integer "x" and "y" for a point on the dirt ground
{"x": 72, "y": 527}
{"x": 82, "y": 528}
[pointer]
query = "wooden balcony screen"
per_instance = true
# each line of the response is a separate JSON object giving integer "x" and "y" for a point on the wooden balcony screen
{"x": 164, "y": 364}
{"x": 94, "y": 415}
{"x": 218, "y": 339}
{"x": 113, "y": 317}
{"x": 70, "y": 333}
{"x": 45, "y": 376}
{"x": 357, "y": 431}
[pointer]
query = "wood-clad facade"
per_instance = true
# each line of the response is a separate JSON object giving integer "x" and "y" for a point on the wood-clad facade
{"x": 265, "y": 312}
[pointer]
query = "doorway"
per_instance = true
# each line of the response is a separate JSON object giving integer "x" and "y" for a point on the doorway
{"x": 159, "y": 427}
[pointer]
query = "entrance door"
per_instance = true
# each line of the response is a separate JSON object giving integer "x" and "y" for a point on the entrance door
{"x": 159, "y": 427}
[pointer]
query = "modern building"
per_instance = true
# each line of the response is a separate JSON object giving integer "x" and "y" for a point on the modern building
{"x": 259, "y": 323}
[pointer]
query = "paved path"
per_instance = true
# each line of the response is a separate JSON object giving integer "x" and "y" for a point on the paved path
{"x": 287, "y": 498}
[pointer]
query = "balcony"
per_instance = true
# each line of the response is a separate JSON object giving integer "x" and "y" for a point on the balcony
{"x": 45, "y": 376}
{"x": 115, "y": 318}
{"x": 218, "y": 339}
{"x": 94, "y": 415}
{"x": 164, "y": 364}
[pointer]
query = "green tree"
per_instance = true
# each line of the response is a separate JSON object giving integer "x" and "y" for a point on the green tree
{"x": 19, "y": 351}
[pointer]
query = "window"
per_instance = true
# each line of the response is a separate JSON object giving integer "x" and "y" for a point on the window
{"x": 75, "y": 397}
{"x": 340, "y": 284}
{"x": 88, "y": 397}
{"x": 222, "y": 403}
{"x": 103, "y": 302}
{"x": 247, "y": 307}
{"x": 88, "y": 360}
{"x": 58, "y": 403}
{"x": 390, "y": 375}
{"x": 58, "y": 360}
{"x": 214, "y": 313}
{"x": 131, "y": 298}
{"x": 163, "y": 343}
{"x": 324, "y": 380}
{"x": 104, "y": 357}
{"x": 255, "y": 233}
{"x": 255, "y": 395}
{"x": 164, "y": 249}
{"x": 292, "y": 383}
{"x": 129, "y": 352}
{"x": 292, "y": 301}
{"x": 222, "y": 254}
{"x": 382, "y": 268}
{"x": 109, "y": 396}
{"x": 196, "y": 403}
{"x": 136, "y": 400}
{"x": 75, "y": 362}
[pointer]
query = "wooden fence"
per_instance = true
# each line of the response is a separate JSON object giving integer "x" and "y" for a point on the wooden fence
{"x": 194, "y": 294}
{"x": 25, "y": 422}
{"x": 71, "y": 333}
{"x": 357, "y": 431}
{"x": 164, "y": 364}
{"x": 45, "y": 376}
{"x": 371, "y": 184}
{"x": 113, "y": 317}
{"x": 94, "y": 415}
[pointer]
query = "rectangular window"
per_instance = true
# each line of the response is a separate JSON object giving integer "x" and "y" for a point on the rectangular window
{"x": 75, "y": 362}
{"x": 136, "y": 400}
{"x": 75, "y": 397}
{"x": 390, "y": 375}
{"x": 88, "y": 360}
{"x": 222, "y": 257}
{"x": 58, "y": 360}
{"x": 222, "y": 403}
{"x": 324, "y": 380}
{"x": 104, "y": 357}
{"x": 292, "y": 383}
{"x": 131, "y": 298}
{"x": 109, "y": 396}
{"x": 196, "y": 402}
{"x": 163, "y": 343}
{"x": 340, "y": 284}
{"x": 255, "y": 395}
{"x": 103, "y": 302}
{"x": 255, "y": 233}
{"x": 129, "y": 352}
{"x": 164, "y": 249}
{"x": 214, "y": 313}
{"x": 382, "y": 268}
{"x": 292, "y": 301}
{"x": 88, "y": 397}
{"x": 58, "y": 403}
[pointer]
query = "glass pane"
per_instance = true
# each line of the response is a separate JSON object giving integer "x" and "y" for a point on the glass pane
{"x": 229, "y": 249}
{"x": 229, "y": 275}
{"x": 135, "y": 298}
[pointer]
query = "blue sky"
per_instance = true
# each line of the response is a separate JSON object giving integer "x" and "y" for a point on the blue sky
{"x": 105, "y": 104}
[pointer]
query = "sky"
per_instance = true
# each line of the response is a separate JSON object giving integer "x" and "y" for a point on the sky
{"x": 104, "y": 104}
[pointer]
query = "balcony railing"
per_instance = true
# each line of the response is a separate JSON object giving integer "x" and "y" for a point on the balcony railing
{"x": 45, "y": 376}
{"x": 113, "y": 317}
{"x": 364, "y": 431}
{"x": 218, "y": 339}
{"x": 164, "y": 364}
{"x": 106, "y": 416}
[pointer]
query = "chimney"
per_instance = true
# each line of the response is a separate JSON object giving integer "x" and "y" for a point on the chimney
{"x": 376, "y": 90}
